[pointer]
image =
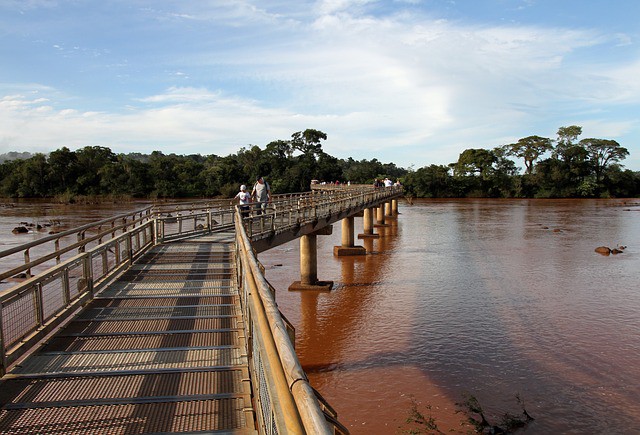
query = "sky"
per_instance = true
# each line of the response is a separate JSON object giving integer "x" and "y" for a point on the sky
{"x": 410, "y": 82}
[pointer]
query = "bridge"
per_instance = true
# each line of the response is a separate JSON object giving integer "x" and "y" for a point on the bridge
{"x": 161, "y": 320}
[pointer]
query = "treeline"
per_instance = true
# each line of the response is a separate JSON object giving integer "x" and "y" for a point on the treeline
{"x": 585, "y": 168}
{"x": 588, "y": 168}
{"x": 288, "y": 166}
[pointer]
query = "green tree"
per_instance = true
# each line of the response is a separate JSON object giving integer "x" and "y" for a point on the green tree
{"x": 603, "y": 152}
{"x": 361, "y": 171}
{"x": 63, "y": 170}
{"x": 92, "y": 166}
{"x": 308, "y": 141}
{"x": 164, "y": 176}
{"x": 433, "y": 181}
{"x": 31, "y": 177}
{"x": 567, "y": 137}
{"x": 475, "y": 162}
{"x": 529, "y": 149}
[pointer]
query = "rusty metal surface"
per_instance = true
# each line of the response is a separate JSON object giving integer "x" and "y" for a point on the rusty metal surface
{"x": 161, "y": 350}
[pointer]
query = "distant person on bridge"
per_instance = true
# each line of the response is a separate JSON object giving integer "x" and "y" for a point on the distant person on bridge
{"x": 262, "y": 194}
{"x": 244, "y": 199}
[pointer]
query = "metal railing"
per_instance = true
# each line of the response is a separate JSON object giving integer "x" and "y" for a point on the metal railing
{"x": 292, "y": 212}
{"x": 286, "y": 402}
{"x": 30, "y": 310}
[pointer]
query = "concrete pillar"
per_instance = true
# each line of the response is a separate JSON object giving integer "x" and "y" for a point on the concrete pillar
{"x": 368, "y": 225}
{"x": 309, "y": 259}
{"x": 348, "y": 247}
{"x": 309, "y": 265}
{"x": 394, "y": 207}
{"x": 380, "y": 216}
{"x": 387, "y": 209}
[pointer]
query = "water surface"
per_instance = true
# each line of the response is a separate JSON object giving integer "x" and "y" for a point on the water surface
{"x": 485, "y": 297}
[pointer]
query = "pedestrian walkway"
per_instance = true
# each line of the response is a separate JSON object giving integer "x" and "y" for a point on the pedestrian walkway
{"x": 160, "y": 350}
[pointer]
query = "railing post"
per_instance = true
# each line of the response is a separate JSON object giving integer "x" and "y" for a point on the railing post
{"x": 88, "y": 274}
{"x": 66, "y": 290}
{"x": 3, "y": 351}
{"x": 80, "y": 239}
{"x": 27, "y": 260}
{"x": 37, "y": 294}
{"x": 128, "y": 249}
{"x": 56, "y": 244}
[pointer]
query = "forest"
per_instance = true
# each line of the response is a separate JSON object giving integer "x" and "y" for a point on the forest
{"x": 564, "y": 167}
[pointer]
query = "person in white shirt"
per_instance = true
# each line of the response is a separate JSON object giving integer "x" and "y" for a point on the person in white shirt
{"x": 244, "y": 199}
{"x": 261, "y": 194}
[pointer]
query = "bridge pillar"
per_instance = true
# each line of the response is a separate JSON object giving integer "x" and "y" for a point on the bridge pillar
{"x": 388, "y": 209}
{"x": 348, "y": 247}
{"x": 309, "y": 264}
{"x": 380, "y": 216}
{"x": 368, "y": 225}
{"x": 394, "y": 207}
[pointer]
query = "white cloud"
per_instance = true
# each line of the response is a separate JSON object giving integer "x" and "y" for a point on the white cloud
{"x": 401, "y": 87}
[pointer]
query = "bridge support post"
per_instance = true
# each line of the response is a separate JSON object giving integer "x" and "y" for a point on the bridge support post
{"x": 309, "y": 264}
{"x": 348, "y": 247}
{"x": 368, "y": 225}
{"x": 380, "y": 216}
{"x": 394, "y": 207}
{"x": 388, "y": 209}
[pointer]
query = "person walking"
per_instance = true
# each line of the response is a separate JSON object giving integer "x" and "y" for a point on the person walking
{"x": 244, "y": 198}
{"x": 261, "y": 194}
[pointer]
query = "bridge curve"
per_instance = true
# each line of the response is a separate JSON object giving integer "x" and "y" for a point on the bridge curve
{"x": 163, "y": 322}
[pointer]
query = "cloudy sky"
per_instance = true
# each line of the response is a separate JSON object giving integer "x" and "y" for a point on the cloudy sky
{"x": 413, "y": 82}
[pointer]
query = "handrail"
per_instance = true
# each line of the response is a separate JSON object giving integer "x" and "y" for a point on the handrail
{"x": 80, "y": 244}
{"x": 308, "y": 409}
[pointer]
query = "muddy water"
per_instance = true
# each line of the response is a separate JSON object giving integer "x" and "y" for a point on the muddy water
{"x": 43, "y": 217}
{"x": 481, "y": 297}
{"x": 489, "y": 298}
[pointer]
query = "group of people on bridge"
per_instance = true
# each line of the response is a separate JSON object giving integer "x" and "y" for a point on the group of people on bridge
{"x": 385, "y": 183}
{"x": 260, "y": 195}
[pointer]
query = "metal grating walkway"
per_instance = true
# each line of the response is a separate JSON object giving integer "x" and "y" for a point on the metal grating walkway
{"x": 161, "y": 350}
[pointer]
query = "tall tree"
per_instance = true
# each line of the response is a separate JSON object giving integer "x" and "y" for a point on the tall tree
{"x": 63, "y": 170}
{"x": 603, "y": 152}
{"x": 91, "y": 163}
{"x": 475, "y": 161}
{"x": 567, "y": 137}
{"x": 529, "y": 149}
{"x": 308, "y": 141}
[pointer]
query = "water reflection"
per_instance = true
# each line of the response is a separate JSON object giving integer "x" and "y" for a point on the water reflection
{"x": 489, "y": 297}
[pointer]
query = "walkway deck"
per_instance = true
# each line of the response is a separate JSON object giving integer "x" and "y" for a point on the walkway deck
{"x": 160, "y": 350}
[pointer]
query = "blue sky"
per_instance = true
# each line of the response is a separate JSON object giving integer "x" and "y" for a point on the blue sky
{"x": 413, "y": 82}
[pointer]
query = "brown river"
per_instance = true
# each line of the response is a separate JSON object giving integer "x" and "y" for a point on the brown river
{"x": 489, "y": 298}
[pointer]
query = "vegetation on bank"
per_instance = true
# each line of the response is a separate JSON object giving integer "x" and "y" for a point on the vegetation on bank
{"x": 586, "y": 168}
{"x": 474, "y": 419}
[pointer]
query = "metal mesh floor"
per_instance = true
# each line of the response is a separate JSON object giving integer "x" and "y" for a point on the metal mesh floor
{"x": 161, "y": 350}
